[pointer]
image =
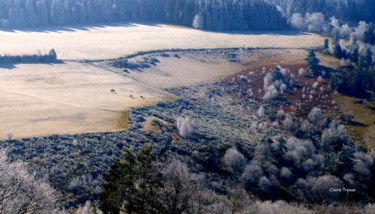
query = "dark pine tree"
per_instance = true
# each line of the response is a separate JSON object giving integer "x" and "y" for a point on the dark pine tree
{"x": 368, "y": 58}
{"x": 338, "y": 51}
{"x": 277, "y": 75}
{"x": 132, "y": 185}
{"x": 52, "y": 55}
{"x": 357, "y": 82}
{"x": 370, "y": 35}
{"x": 354, "y": 56}
{"x": 313, "y": 63}
{"x": 119, "y": 186}
{"x": 326, "y": 44}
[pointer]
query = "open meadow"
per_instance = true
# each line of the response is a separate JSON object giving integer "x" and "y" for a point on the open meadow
{"x": 101, "y": 42}
{"x": 67, "y": 98}
{"x": 76, "y": 97}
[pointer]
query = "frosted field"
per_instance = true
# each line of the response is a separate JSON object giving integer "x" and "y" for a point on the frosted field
{"x": 114, "y": 41}
{"x": 67, "y": 98}
{"x": 187, "y": 70}
{"x": 75, "y": 97}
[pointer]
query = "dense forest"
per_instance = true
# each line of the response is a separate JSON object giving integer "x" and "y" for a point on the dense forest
{"x": 344, "y": 10}
{"x": 205, "y": 14}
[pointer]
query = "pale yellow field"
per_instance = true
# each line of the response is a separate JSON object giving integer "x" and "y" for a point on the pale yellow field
{"x": 75, "y": 97}
{"x": 187, "y": 70}
{"x": 67, "y": 98}
{"x": 114, "y": 41}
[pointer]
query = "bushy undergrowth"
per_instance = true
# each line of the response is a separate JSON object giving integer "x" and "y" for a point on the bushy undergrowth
{"x": 231, "y": 143}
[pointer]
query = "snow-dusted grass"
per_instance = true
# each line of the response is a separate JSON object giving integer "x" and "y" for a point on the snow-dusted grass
{"x": 76, "y": 98}
{"x": 191, "y": 68}
{"x": 67, "y": 98}
{"x": 99, "y": 42}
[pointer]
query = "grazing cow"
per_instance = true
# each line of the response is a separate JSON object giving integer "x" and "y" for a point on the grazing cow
{"x": 113, "y": 91}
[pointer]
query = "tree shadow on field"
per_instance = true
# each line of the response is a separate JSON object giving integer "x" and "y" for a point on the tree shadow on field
{"x": 75, "y": 27}
{"x": 7, "y": 66}
{"x": 11, "y": 66}
{"x": 266, "y": 33}
{"x": 97, "y": 26}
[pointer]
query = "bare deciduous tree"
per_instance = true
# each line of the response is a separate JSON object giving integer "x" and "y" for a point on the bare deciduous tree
{"x": 22, "y": 192}
{"x": 176, "y": 192}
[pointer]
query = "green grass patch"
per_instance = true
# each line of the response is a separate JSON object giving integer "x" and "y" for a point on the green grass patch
{"x": 362, "y": 113}
{"x": 123, "y": 121}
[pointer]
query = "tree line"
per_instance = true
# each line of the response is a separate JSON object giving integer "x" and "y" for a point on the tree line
{"x": 204, "y": 14}
{"x": 351, "y": 11}
{"x": 50, "y": 57}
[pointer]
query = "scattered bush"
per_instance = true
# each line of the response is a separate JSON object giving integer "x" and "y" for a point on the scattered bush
{"x": 185, "y": 126}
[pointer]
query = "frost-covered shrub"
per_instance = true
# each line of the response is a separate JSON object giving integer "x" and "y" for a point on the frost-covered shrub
{"x": 298, "y": 21}
{"x": 250, "y": 92}
{"x": 234, "y": 160}
{"x": 261, "y": 111}
{"x": 285, "y": 173}
{"x": 362, "y": 164}
{"x": 315, "y": 22}
{"x": 302, "y": 72}
{"x": 88, "y": 208}
{"x": 299, "y": 151}
{"x": 324, "y": 186}
{"x": 315, "y": 85}
{"x": 316, "y": 117}
{"x": 185, "y": 126}
{"x": 306, "y": 127}
{"x": 254, "y": 127}
{"x": 252, "y": 172}
{"x": 270, "y": 93}
{"x": 283, "y": 87}
{"x": 22, "y": 192}
{"x": 320, "y": 79}
{"x": 345, "y": 31}
{"x": 288, "y": 123}
{"x": 267, "y": 80}
{"x": 264, "y": 184}
{"x": 359, "y": 31}
{"x": 280, "y": 207}
{"x": 280, "y": 114}
{"x": 312, "y": 22}
{"x": 334, "y": 136}
{"x": 345, "y": 62}
{"x": 369, "y": 208}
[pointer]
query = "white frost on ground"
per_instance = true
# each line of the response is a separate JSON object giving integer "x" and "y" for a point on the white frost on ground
{"x": 187, "y": 70}
{"x": 76, "y": 98}
{"x": 67, "y": 98}
{"x": 99, "y": 42}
